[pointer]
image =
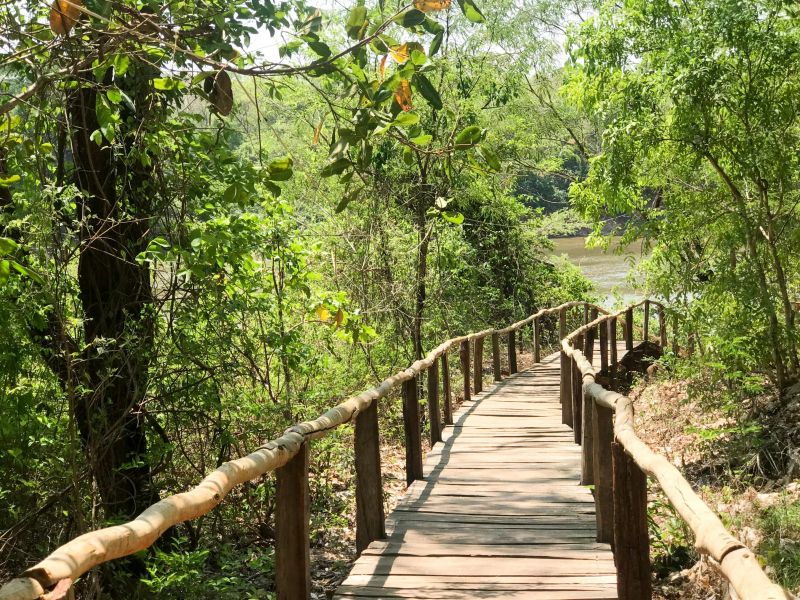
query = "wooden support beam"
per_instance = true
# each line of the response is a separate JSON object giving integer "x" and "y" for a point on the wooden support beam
{"x": 447, "y": 396}
{"x": 646, "y": 332}
{"x": 463, "y": 356}
{"x": 412, "y": 431}
{"x": 604, "y": 347}
{"x": 675, "y": 334}
{"x": 477, "y": 368}
{"x": 292, "y": 543}
{"x": 612, "y": 345}
{"x": 591, "y": 336}
{"x": 566, "y": 372}
{"x": 512, "y": 351}
{"x": 631, "y": 538}
{"x": 587, "y": 440}
{"x": 498, "y": 373}
{"x": 662, "y": 327}
{"x": 537, "y": 340}
{"x": 577, "y": 394}
{"x": 629, "y": 329}
{"x": 602, "y": 437}
{"x": 370, "y": 517}
{"x": 433, "y": 403}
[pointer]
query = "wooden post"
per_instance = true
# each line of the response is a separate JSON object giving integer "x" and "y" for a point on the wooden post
{"x": 498, "y": 374}
{"x": 612, "y": 344}
{"x": 537, "y": 341}
{"x": 411, "y": 426}
{"x": 566, "y": 372}
{"x": 292, "y": 544}
{"x": 585, "y": 313}
{"x": 512, "y": 351}
{"x": 446, "y": 394}
{"x": 629, "y": 329}
{"x": 477, "y": 367}
{"x": 370, "y": 518}
{"x": 604, "y": 347}
{"x": 588, "y": 347}
{"x": 631, "y": 539}
{"x": 662, "y": 327}
{"x": 433, "y": 403}
{"x": 463, "y": 356}
{"x": 675, "y": 334}
{"x": 587, "y": 441}
{"x": 577, "y": 395}
{"x": 646, "y": 333}
{"x": 603, "y": 436}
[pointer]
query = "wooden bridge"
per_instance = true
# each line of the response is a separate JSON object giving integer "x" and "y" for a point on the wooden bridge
{"x": 501, "y": 507}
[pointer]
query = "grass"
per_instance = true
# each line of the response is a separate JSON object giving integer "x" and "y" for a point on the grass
{"x": 780, "y": 546}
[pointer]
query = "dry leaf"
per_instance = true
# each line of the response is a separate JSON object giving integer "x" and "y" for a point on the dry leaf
{"x": 63, "y": 15}
{"x": 317, "y": 132}
{"x": 382, "y": 68}
{"x": 403, "y": 95}
{"x": 339, "y": 317}
{"x": 219, "y": 92}
{"x": 400, "y": 53}
{"x": 431, "y": 5}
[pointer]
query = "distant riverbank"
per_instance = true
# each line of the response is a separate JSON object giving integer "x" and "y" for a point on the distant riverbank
{"x": 607, "y": 269}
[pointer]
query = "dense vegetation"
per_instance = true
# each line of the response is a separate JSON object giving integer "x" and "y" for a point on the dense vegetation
{"x": 220, "y": 218}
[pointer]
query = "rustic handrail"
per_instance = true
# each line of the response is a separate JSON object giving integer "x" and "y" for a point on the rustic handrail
{"x": 288, "y": 455}
{"x": 605, "y": 445}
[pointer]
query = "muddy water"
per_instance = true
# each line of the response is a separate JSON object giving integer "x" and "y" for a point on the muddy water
{"x": 607, "y": 269}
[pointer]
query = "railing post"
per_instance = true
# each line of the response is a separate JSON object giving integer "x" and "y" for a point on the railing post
{"x": 629, "y": 329}
{"x": 433, "y": 403}
{"x": 675, "y": 334}
{"x": 411, "y": 426}
{"x": 587, "y": 441}
{"x": 604, "y": 347}
{"x": 446, "y": 393}
{"x": 612, "y": 344}
{"x": 577, "y": 394}
{"x": 292, "y": 543}
{"x": 646, "y": 333}
{"x": 603, "y": 437}
{"x": 585, "y": 313}
{"x": 588, "y": 347}
{"x": 463, "y": 356}
{"x": 566, "y": 372}
{"x": 662, "y": 327}
{"x": 631, "y": 538}
{"x": 370, "y": 518}
{"x": 498, "y": 374}
{"x": 477, "y": 368}
{"x": 537, "y": 340}
{"x": 512, "y": 351}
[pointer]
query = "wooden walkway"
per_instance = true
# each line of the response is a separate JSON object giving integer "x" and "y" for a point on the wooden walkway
{"x": 500, "y": 513}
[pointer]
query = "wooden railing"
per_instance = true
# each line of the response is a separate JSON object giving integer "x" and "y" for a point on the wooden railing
{"x": 288, "y": 456}
{"x": 616, "y": 462}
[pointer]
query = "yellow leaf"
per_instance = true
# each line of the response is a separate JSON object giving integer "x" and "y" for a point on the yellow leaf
{"x": 400, "y": 53}
{"x": 323, "y": 313}
{"x": 403, "y": 95}
{"x": 317, "y": 131}
{"x": 382, "y": 68}
{"x": 431, "y": 5}
{"x": 64, "y": 14}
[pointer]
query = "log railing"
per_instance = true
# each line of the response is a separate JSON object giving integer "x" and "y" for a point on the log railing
{"x": 617, "y": 463}
{"x": 288, "y": 456}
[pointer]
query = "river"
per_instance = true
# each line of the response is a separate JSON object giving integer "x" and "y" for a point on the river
{"x": 607, "y": 269}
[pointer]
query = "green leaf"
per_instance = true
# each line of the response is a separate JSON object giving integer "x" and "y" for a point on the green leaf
{"x": 471, "y": 11}
{"x": 7, "y": 181}
{"x": 167, "y": 84}
{"x": 7, "y": 245}
{"x": 114, "y": 95}
{"x": 356, "y": 22}
{"x": 26, "y": 272}
{"x": 406, "y": 119}
{"x": 436, "y": 43}
{"x": 422, "y": 140}
{"x": 425, "y": 87}
{"x": 410, "y": 18}
{"x": 490, "y": 158}
{"x": 321, "y": 48}
{"x": 280, "y": 169}
{"x": 469, "y": 136}
{"x": 347, "y": 199}
{"x": 5, "y": 270}
{"x": 456, "y": 218}
{"x": 120, "y": 63}
{"x": 335, "y": 168}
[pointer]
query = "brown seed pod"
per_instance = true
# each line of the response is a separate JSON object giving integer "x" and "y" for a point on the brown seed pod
{"x": 63, "y": 15}
{"x": 218, "y": 88}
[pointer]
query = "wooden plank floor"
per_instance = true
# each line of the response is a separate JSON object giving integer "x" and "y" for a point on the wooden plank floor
{"x": 500, "y": 513}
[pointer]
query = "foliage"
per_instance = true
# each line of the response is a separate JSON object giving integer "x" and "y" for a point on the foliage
{"x": 780, "y": 526}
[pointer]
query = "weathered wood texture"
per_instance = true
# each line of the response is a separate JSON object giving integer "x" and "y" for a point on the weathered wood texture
{"x": 370, "y": 519}
{"x": 292, "y": 514}
{"x": 447, "y": 395}
{"x": 434, "y": 413}
{"x": 411, "y": 425}
{"x": 477, "y": 367}
{"x": 499, "y": 514}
